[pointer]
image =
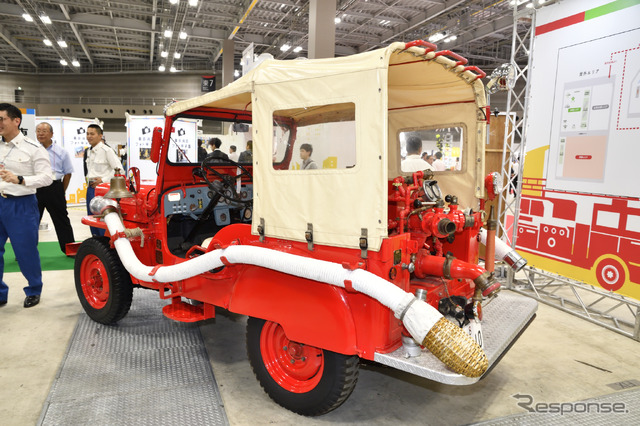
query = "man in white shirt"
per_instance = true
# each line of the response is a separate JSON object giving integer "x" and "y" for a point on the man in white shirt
{"x": 234, "y": 155}
{"x": 102, "y": 162}
{"x": 24, "y": 167}
{"x": 438, "y": 164}
{"x": 413, "y": 162}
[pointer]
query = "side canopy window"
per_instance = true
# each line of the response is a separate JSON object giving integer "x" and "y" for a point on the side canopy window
{"x": 440, "y": 148}
{"x": 315, "y": 138}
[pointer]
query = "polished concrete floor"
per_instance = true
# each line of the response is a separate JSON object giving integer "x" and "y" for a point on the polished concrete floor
{"x": 559, "y": 358}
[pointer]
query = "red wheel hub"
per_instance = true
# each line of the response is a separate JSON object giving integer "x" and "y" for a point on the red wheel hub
{"x": 94, "y": 281}
{"x": 294, "y": 366}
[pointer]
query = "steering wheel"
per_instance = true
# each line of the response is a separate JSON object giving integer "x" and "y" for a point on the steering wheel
{"x": 226, "y": 186}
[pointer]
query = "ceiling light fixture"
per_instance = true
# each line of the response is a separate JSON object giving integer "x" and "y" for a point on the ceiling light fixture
{"x": 75, "y": 63}
{"x": 164, "y": 53}
{"x": 176, "y": 55}
{"x": 172, "y": 69}
{"x": 297, "y": 49}
{"x": 62, "y": 43}
{"x": 193, "y": 3}
{"x": 236, "y": 73}
{"x": 183, "y": 35}
{"x": 337, "y": 20}
{"x": 173, "y": 1}
{"x": 47, "y": 42}
{"x": 285, "y": 47}
{"x": 63, "y": 62}
{"x": 45, "y": 19}
{"x": 161, "y": 68}
{"x": 451, "y": 38}
{"x": 27, "y": 17}
{"x": 168, "y": 33}
{"x": 437, "y": 37}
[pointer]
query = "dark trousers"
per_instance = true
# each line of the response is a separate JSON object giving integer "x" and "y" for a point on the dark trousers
{"x": 19, "y": 222}
{"x": 53, "y": 198}
{"x": 91, "y": 193}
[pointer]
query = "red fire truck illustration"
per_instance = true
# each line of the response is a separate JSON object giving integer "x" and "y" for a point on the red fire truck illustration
{"x": 596, "y": 232}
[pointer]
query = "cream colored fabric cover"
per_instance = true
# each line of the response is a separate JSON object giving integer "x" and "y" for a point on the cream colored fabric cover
{"x": 388, "y": 91}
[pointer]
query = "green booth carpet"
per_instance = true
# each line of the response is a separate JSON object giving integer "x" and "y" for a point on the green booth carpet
{"x": 51, "y": 258}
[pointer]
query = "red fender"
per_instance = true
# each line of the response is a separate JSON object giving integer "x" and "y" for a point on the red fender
{"x": 310, "y": 312}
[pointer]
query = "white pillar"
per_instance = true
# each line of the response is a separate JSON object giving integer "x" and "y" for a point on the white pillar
{"x": 322, "y": 29}
{"x": 228, "y": 48}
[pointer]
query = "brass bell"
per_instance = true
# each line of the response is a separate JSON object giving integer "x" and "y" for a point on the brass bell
{"x": 118, "y": 188}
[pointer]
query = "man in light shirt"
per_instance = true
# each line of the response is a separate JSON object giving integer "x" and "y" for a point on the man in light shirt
{"x": 24, "y": 167}
{"x": 413, "y": 162}
{"x": 438, "y": 164}
{"x": 102, "y": 162}
{"x": 53, "y": 197}
{"x": 234, "y": 155}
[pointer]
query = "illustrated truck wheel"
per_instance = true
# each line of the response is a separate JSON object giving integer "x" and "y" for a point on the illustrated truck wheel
{"x": 301, "y": 378}
{"x": 103, "y": 285}
{"x": 610, "y": 274}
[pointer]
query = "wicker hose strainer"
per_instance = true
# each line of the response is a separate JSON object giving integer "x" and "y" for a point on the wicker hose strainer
{"x": 451, "y": 345}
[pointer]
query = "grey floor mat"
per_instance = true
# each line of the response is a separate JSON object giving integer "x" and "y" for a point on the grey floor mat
{"x": 146, "y": 370}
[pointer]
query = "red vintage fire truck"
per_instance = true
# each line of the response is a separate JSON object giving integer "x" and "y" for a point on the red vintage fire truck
{"x": 368, "y": 255}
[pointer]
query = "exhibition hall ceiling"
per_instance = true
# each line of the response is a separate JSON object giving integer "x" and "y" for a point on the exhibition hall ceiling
{"x": 116, "y": 36}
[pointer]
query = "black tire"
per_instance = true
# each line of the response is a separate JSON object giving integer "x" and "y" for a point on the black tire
{"x": 310, "y": 390}
{"x": 103, "y": 285}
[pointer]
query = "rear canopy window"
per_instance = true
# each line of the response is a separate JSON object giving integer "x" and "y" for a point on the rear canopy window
{"x": 320, "y": 137}
{"x": 425, "y": 144}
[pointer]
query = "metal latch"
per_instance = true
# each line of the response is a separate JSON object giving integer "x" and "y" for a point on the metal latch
{"x": 309, "y": 236}
{"x": 364, "y": 244}
{"x": 261, "y": 230}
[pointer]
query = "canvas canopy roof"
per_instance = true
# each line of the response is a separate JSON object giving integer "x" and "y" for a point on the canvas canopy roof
{"x": 393, "y": 89}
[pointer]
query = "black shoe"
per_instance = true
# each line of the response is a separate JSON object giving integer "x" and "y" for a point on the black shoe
{"x": 30, "y": 301}
{"x": 3, "y": 302}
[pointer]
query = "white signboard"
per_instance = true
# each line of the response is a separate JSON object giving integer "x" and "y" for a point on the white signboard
{"x": 71, "y": 133}
{"x": 182, "y": 149}
{"x": 589, "y": 73}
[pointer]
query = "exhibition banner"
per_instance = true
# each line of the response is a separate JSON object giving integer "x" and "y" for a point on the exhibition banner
{"x": 28, "y": 124}
{"x": 182, "y": 149}
{"x": 71, "y": 133}
{"x": 580, "y": 206}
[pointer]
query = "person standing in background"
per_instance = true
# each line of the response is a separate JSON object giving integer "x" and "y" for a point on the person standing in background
{"x": 247, "y": 156}
{"x": 24, "y": 167}
{"x": 102, "y": 162}
{"x": 53, "y": 197}
{"x": 234, "y": 155}
{"x": 438, "y": 164}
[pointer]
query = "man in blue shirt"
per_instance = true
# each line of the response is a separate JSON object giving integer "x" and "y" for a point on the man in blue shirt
{"x": 53, "y": 197}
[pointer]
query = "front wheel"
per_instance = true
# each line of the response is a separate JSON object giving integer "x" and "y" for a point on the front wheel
{"x": 301, "y": 378}
{"x": 103, "y": 285}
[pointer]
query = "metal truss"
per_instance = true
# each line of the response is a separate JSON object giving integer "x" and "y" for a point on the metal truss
{"x": 515, "y": 121}
{"x": 607, "y": 309}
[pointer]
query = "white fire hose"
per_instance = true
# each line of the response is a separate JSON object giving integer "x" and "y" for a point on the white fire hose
{"x": 504, "y": 252}
{"x": 426, "y": 325}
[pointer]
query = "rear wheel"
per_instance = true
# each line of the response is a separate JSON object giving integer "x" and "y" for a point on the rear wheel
{"x": 301, "y": 378}
{"x": 103, "y": 285}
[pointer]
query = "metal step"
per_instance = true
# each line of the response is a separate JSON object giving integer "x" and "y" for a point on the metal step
{"x": 504, "y": 318}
